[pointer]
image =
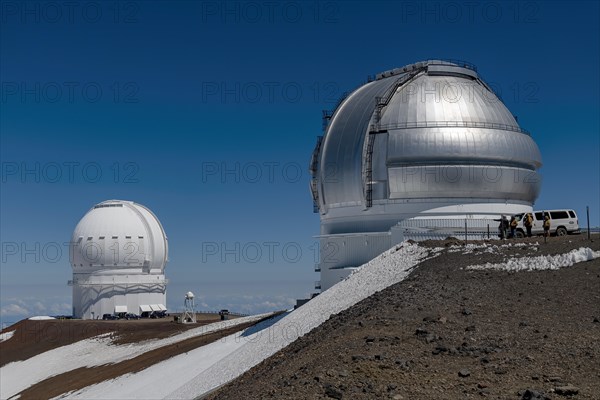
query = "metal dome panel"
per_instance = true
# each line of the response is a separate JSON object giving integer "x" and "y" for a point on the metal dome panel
{"x": 442, "y": 99}
{"x": 343, "y": 143}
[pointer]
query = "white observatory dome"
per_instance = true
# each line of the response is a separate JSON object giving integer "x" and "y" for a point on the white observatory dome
{"x": 118, "y": 234}
{"x": 118, "y": 253}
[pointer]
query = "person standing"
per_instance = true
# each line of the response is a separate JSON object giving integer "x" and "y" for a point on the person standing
{"x": 503, "y": 227}
{"x": 528, "y": 222}
{"x": 547, "y": 226}
{"x": 513, "y": 226}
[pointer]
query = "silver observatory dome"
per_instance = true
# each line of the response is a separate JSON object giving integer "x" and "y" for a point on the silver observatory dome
{"x": 428, "y": 140}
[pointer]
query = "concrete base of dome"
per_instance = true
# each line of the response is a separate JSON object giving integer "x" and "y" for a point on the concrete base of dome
{"x": 342, "y": 252}
{"x": 95, "y": 295}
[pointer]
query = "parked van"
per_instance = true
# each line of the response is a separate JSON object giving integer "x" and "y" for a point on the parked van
{"x": 562, "y": 222}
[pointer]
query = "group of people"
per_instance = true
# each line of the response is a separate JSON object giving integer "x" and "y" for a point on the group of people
{"x": 508, "y": 228}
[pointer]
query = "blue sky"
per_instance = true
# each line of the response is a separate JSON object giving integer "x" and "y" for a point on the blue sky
{"x": 208, "y": 112}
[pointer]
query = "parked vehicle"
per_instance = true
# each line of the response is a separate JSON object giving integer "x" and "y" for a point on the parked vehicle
{"x": 158, "y": 314}
{"x": 132, "y": 316}
{"x": 562, "y": 222}
{"x": 109, "y": 317}
{"x": 224, "y": 314}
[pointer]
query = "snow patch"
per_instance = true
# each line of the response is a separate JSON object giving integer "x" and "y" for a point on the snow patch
{"x": 40, "y": 318}
{"x": 471, "y": 247}
{"x": 542, "y": 262}
{"x": 488, "y": 248}
{"x": 6, "y": 335}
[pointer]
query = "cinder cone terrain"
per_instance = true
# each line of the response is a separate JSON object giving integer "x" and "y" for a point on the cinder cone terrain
{"x": 446, "y": 332}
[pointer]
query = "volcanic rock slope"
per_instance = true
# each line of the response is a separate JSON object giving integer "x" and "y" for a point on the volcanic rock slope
{"x": 450, "y": 332}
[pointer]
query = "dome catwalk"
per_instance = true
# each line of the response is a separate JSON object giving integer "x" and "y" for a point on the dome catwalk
{"x": 428, "y": 140}
{"x": 118, "y": 253}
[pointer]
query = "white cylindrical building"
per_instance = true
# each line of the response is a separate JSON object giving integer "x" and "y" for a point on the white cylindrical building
{"x": 118, "y": 253}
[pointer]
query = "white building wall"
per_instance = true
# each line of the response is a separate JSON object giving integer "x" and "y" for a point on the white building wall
{"x": 341, "y": 254}
{"x": 96, "y": 295}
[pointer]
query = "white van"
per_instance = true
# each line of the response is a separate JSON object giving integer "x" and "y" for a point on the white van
{"x": 562, "y": 222}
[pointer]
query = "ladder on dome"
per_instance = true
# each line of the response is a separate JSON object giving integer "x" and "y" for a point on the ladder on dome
{"x": 314, "y": 165}
{"x": 380, "y": 103}
{"x": 369, "y": 170}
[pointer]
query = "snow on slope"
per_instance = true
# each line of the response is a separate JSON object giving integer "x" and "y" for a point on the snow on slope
{"x": 171, "y": 373}
{"x": 542, "y": 262}
{"x": 6, "y": 335}
{"x": 19, "y": 375}
{"x": 389, "y": 268}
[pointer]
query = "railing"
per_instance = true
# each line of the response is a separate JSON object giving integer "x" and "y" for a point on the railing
{"x": 450, "y": 61}
{"x": 314, "y": 161}
{"x": 117, "y": 283}
{"x": 454, "y": 124}
{"x": 442, "y": 228}
{"x": 217, "y": 312}
{"x": 315, "y": 194}
{"x": 423, "y": 65}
